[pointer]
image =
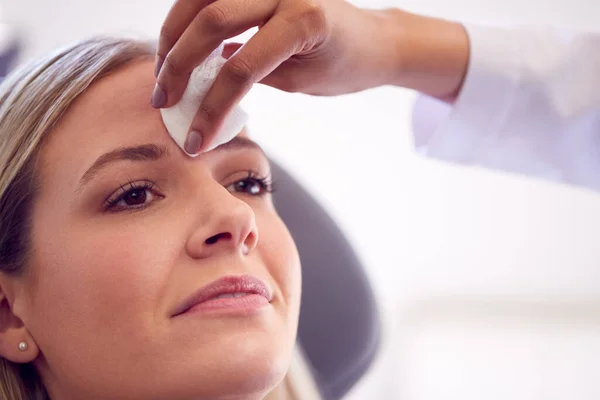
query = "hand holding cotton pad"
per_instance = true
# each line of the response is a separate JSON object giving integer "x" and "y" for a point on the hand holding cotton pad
{"x": 178, "y": 119}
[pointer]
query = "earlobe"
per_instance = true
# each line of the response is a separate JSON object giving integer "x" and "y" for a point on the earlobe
{"x": 16, "y": 343}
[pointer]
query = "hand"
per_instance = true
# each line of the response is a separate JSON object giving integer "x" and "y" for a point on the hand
{"x": 317, "y": 47}
{"x": 320, "y": 47}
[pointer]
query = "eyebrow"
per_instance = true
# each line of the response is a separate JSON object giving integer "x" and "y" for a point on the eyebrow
{"x": 240, "y": 143}
{"x": 152, "y": 152}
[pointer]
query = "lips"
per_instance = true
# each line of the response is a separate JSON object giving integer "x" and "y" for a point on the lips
{"x": 228, "y": 292}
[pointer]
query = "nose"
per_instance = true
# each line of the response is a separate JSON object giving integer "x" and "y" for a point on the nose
{"x": 229, "y": 226}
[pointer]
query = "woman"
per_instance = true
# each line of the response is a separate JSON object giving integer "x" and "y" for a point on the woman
{"x": 127, "y": 269}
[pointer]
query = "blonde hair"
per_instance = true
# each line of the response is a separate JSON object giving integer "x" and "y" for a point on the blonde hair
{"x": 32, "y": 101}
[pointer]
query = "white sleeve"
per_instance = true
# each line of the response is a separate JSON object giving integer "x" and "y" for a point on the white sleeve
{"x": 530, "y": 104}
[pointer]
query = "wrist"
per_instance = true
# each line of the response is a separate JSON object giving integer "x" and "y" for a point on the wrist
{"x": 430, "y": 55}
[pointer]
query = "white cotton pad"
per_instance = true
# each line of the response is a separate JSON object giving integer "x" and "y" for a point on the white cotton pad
{"x": 178, "y": 118}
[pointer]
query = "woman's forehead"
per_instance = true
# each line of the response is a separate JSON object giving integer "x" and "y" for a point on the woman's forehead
{"x": 114, "y": 111}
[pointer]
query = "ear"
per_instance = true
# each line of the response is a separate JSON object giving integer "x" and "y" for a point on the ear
{"x": 13, "y": 332}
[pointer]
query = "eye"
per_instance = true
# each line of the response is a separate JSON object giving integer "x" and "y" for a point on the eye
{"x": 253, "y": 185}
{"x": 134, "y": 195}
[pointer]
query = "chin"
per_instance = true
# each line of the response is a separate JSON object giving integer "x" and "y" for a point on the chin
{"x": 255, "y": 364}
{"x": 243, "y": 365}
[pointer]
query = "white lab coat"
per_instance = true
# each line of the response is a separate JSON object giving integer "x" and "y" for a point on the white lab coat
{"x": 530, "y": 104}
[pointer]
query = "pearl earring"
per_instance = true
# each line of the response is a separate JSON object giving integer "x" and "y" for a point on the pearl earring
{"x": 23, "y": 346}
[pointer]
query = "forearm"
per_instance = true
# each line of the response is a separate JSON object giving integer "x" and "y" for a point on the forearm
{"x": 431, "y": 55}
{"x": 529, "y": 104}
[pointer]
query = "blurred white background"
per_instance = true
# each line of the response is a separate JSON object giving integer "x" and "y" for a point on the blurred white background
{"x": 489, "y": 283}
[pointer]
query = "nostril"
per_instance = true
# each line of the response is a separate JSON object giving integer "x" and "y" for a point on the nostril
{"x": 216, "y": 238}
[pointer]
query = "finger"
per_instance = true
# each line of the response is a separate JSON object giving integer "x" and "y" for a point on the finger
{"x": 276, "y": 42}
{"x": 180, "y": 16}
{"x": 288, "y": 77}
{"x": 219, "y": 21}
{"x": 230, "y": 49}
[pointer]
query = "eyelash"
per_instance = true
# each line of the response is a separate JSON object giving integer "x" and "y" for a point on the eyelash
{"x": 111, "y": 203}
{"x": 114, "y": 199}
{"x": 265, "y": 182}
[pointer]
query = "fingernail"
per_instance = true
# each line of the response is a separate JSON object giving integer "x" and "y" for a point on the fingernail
{"x": 159, "y": 62}
{"x": 193, "y": 142}
{"x": 159, "y": 97}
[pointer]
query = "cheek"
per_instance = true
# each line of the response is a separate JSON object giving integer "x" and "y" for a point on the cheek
{"x": 100, "y": 275}
{"x": 279, "y": 253}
